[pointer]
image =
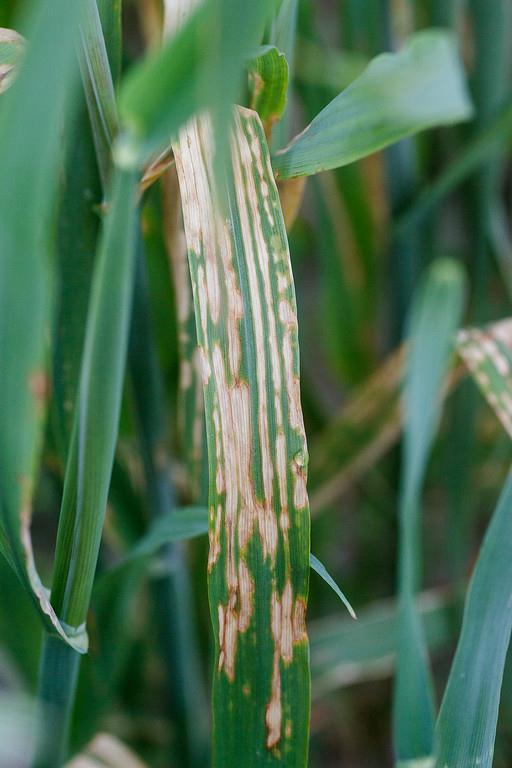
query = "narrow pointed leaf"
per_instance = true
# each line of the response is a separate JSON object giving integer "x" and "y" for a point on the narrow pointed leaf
{"x": 322, "y": 571}
{"x": 466, "y": 727}
{"x": 398, "y": 95}
{"x": 94, "y": 435}
{"x": 435, "y": 316}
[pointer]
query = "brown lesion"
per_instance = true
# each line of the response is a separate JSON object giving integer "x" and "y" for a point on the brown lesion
{"x": 235, "y": 617}
{"x": 39, "y": 387}
{"x": 288, "y": 624}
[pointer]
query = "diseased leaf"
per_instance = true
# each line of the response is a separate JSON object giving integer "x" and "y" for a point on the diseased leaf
{"x": 258, "y": 508}
{"x": 487, "y": 353}
{"x": 398, "y": 95}
{"x": 12, "y": 46}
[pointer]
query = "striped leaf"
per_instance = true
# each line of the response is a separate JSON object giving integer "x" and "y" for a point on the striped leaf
{"x": 258, "y": 566}
{"x": 397, "y": 96}
{"x": 487, "y": 353}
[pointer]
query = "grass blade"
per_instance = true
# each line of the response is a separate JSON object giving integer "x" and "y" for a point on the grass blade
{"x": 37, "y": 102}
{"x": 434, "y": 319}
{"x": 322, "y": 571}
{"x": 466, "y": 726}
{"x": 397, "y": 96}
{"x": 259, "y": 532}
{"x": 99, "y": 87}
{"x": 94, "y": 434}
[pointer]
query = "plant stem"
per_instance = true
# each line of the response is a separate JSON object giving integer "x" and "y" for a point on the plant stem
{"x": 58, "y": 676}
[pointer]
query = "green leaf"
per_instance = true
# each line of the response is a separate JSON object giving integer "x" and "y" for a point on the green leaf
{"x": 180, "y": 524}
{"x": 98, "y": 85}
{"x": 94, "y": 435}
{"x": 283, "y": 36}
{"x": 12, "y": 47}
{"x": 398, "y": 95}
{"x": 200, "y": 67}
{"x": 30, "y": 116}
{"x": 466, "y": 726}
{"x": 435, "y": 316}
{"x": 322, "y": 571}
{"x": 268, "y": 81}
{"x": 258, "y": 568}
{"x": 488, "y": 355}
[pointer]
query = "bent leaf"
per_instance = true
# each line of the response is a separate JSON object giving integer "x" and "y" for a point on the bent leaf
{"x": 31, "y": 113}
{"x": 398, "y": 95}
{"x": 258, "y": 507}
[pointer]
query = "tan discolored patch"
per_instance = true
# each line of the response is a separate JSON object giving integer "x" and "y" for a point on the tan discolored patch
{"x": 288, "y": 628}
{"x": 39, "y": 386}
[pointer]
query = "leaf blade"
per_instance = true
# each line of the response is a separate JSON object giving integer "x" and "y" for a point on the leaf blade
{"x": 397, "y": 96}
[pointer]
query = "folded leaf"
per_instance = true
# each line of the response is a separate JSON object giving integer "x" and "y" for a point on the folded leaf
{"x": 30, "y": 116}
